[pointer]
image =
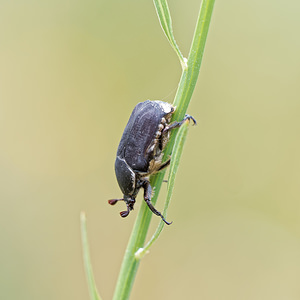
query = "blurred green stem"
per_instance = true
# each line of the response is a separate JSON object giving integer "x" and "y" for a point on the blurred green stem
{"x": 94, "y": 295}
{"x": 183, "y": 96}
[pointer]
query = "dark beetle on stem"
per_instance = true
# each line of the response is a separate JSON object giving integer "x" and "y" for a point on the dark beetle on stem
{"x": 140, "y": 150}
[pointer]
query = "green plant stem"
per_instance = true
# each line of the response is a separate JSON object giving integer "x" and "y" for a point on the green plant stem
{"x": 183, "y": 96}
{"x": 190, "y": 75}
{"x": 176, "y": 154}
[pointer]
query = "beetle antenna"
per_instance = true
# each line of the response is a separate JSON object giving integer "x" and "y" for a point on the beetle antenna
{"x": 125, "y": 213}
{"x": 114, "y": 201}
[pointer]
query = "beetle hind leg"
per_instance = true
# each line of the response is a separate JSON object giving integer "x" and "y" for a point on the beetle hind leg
{"x": 164, "y": 165}
{"x": 156, "y": 167}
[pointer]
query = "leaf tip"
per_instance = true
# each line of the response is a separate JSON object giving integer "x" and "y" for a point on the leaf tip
{"x": 82, "y": 217}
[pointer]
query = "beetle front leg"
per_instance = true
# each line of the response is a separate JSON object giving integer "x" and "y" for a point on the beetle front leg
{"x": 178, "y": 124}
{"x": 147, "y": 198}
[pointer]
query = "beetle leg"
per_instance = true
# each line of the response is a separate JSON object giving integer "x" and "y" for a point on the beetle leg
{"x": 164, "y": 165}
{"x": 178, "y": 124}
{"x": 147, "y": 198}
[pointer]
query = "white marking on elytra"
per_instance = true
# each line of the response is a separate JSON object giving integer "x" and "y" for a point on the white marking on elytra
{"x": 166, "y": 107}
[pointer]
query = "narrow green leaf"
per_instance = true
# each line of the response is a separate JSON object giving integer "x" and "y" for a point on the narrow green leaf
{"x": 94, "y": 295}
{"x": 176, "y": 154}
{"x": 165, "y": 20}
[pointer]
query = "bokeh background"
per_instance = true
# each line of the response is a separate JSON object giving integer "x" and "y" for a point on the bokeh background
{"x": 71, "y": 73}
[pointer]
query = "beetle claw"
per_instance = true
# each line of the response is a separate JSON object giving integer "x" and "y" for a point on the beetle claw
{"x": 168, "y": 223}
{"x": 189, "y": 117}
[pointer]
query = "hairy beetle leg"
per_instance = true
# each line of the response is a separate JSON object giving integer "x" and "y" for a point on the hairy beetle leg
{"x": 164, "y": 165}
{"x": 178, "y": 124}
{"x": 147, "y": 198}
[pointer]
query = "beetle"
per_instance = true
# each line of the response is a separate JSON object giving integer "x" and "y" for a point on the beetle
{"x": 140, "y": 151}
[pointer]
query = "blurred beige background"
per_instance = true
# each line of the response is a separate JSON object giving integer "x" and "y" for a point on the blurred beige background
{"x": 70, "y": 74}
